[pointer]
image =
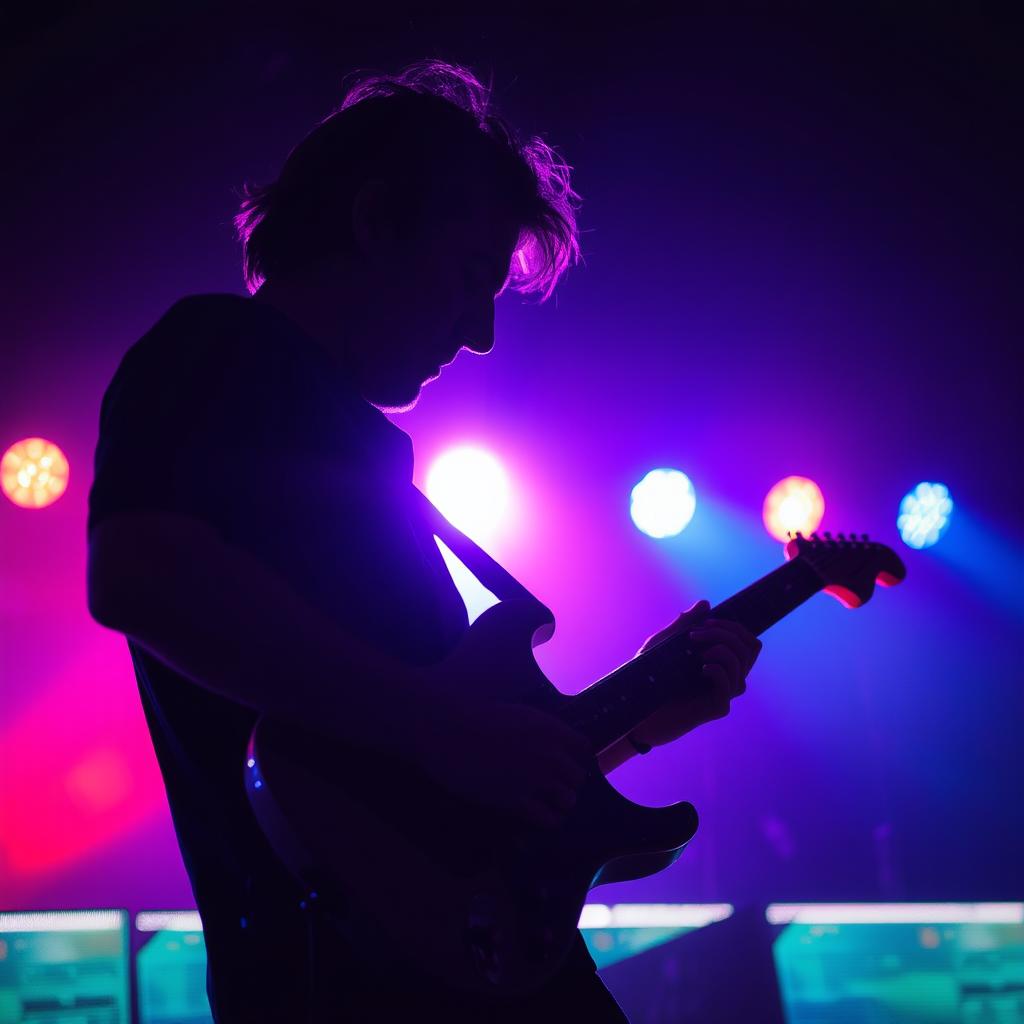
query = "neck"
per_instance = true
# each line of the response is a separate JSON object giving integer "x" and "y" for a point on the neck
{"x": 318, "y": 313}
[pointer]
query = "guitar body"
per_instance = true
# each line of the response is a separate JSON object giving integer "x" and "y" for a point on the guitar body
{"x": 472, "y": 897}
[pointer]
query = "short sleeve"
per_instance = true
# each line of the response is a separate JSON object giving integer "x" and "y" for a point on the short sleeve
{"x": 190, "y": 403}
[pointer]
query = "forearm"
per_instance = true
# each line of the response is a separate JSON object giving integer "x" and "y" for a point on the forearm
{"x": 616, "y": 755}
{"x": 215, "y": 614}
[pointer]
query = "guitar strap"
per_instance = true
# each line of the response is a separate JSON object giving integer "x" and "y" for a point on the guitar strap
{"x": 497, "y": 580}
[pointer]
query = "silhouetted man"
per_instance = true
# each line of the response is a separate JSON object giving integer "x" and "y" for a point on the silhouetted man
{"x": 254, "y": 534}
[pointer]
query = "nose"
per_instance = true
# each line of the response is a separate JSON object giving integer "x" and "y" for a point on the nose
{"x": 476, "y": 330}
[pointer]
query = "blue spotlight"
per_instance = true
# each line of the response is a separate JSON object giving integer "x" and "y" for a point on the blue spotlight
{"x": 924, "y": 515}
{"x": 663, "y": 503}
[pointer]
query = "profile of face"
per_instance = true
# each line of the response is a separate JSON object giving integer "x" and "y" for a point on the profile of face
{"x": 427, "y": 297}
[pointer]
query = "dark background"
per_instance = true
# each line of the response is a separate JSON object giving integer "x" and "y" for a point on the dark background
{"x": 803, "y": 255}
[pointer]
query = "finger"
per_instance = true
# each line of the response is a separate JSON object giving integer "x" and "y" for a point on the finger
{"x": 739, "y": 631}
{"x": 691, "y": 617}
{"x": 718, "y": 699}
{"x": 707, "y": 637}
{"x": 678, "y": 625}
{"x": 733, "y": 688}
{"x": 726, "y": 659}
{"x": 750, "y": 642}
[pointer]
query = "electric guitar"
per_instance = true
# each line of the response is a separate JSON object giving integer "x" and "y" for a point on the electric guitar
{"x": 480, "y": 901}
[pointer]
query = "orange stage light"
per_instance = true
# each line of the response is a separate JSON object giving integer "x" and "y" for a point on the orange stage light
{"x": 792, "y": 505}
{"x": 34, "y": 473}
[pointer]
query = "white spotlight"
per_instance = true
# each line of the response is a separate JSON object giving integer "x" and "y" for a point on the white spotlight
{"x": 663, "y": 503}
{"x": 470, "y": 488}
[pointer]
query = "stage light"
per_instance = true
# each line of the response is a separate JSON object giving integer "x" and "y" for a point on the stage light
{"x": 470, "y": 488}
{"x": 663, "y": 503}
{"x": 33, "y": 473}
{"x": 793, "y": 504}
{"x": 924, "y": 515}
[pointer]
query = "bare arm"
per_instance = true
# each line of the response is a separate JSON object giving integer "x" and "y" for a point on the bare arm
{"x": 219, "y": 617}
{"x": 215, "y": 614}
{"x": 615, "y": 755}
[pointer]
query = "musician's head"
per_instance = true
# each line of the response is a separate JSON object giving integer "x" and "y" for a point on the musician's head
{"x": 398, "y": 220}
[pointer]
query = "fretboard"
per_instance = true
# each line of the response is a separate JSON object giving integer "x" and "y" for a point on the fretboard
{"x": 615, "y": 704}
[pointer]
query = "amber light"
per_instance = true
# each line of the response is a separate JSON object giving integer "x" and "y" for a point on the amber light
{"x": 793, "y": 505}
{"x": 34, "y": 473}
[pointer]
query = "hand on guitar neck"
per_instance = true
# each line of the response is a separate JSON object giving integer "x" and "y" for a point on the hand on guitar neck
{"x": 728, "y": 650}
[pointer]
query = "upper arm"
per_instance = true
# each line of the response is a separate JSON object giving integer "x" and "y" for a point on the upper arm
{"x": 181, "y": 424}
{"x": 191, "y": 402}
{"x": 131, "y": 551}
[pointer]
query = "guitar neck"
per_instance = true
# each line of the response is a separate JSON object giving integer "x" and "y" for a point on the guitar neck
{"x": 611, "y": 707}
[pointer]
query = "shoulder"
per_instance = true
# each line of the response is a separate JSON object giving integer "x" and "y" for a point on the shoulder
{"x": 222, "y": 340}
{"x": 212, "y": 324}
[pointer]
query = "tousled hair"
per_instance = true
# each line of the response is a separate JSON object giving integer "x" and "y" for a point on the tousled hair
{"x": 413, "y": 129}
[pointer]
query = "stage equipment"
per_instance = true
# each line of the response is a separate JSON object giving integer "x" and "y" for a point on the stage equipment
{"x": 924, "y": 515}
{"x": 794, "y": 505}
{"x": 33, "y": 473}
{"x": 65, "y": 965}
{"x": 471, "y": 488}
{"x": 663, "y": 503}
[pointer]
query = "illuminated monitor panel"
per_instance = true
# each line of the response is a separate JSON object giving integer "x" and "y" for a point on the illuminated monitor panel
{"x": 64, "y": 967}
{"x": 626, "y": 929}
{"x": 170, "y": 969}
{"x": 951, "y": 963}
{"x": 171, "y": 965}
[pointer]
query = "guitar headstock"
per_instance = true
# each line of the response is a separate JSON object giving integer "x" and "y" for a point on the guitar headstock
{"x": 848, "y": 566}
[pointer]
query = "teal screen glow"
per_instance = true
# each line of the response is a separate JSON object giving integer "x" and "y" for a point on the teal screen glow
{"x": 626, "y": 929}
{"x": 171, "y": 969}
{"x": 64, "y": 966}
{"x": 934, "y": 971}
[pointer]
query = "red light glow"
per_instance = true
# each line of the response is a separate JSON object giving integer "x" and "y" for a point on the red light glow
{"x": 79, "y": 770}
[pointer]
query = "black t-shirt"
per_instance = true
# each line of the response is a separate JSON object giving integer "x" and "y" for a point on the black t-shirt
{"x": 227, "y": 411}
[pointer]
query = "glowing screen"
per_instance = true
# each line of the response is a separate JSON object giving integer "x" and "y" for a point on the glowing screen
{"x": 615, "y": 933}
{"x": 901, "y": 962}
{"x": 64, "y": 966}
{"x": 171, "y": 969}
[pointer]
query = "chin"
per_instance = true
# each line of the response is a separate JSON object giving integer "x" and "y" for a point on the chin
{"x": 398, "y": 401}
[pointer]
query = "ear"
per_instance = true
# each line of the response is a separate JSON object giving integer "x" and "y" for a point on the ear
{"x": 373, "y": 217}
